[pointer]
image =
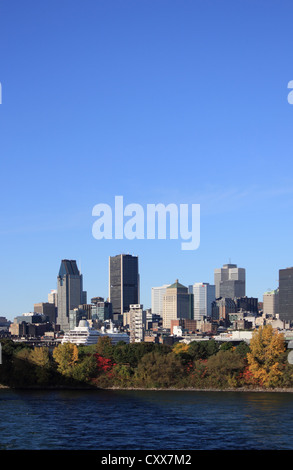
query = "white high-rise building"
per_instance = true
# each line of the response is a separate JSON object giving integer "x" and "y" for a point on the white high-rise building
{"x": 158, "y": 299}
{"x": 137, "y": 322}
{"x": 203, "y": 296}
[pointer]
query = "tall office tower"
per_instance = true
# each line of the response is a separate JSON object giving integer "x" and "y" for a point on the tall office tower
{"x": 123, "y": 282}
{"x": 158, "y": 299}
{"x": 286, "y": 294}
{"x": 137, "y": 323}
{"x": 203, "y": 296}
{"x": 69, "y": 291}
{"x": 177, "y": 303}
{"x": 271, "y": 302}
{"x": 229, "y": 281}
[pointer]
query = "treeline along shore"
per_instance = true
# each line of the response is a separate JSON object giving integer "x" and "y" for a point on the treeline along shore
{"x": 200, "y": 365}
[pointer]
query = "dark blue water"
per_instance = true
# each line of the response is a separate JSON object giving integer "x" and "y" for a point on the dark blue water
{"x": 138, "y": 420}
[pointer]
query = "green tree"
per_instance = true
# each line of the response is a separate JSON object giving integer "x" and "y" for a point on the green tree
{"x": 23, "y": 371}
{"x": 123, "y": 375}
{"x": 212, "y": 347}
{"x": 157, "y": 370}
{"x": 85, "y": 350}
{"x": 243, "y": 349}
{"x": 85, "y": 369}
{"x": 104, "y": 347}
{"x": 132, "y": 353}
{"x": 226, "y": 346}
{"x": 8, "y": 347}
{"x": 13, "y": 369}
{"x": 286, "y": 379}
{"x": 202, "y": 349}
{"x": 224, "y": 369}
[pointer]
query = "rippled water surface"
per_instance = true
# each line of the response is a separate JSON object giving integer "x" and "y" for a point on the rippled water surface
{"x": 138, "y": 420}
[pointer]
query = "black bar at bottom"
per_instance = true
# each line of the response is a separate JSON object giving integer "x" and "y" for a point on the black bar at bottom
{"x": 138, "y": 458}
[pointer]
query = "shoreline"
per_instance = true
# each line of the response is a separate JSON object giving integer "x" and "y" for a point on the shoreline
{"x": 150, "y": 389}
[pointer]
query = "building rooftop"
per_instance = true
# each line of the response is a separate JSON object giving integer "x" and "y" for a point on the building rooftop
{"x": 68, "y": 267}
{"x": 176, "y": 285}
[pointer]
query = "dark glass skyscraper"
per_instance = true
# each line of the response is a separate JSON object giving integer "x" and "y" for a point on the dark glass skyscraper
{"x": 286, "y": 294}
{"x": 69, "y": 291}
{"x": 123, "y": 282}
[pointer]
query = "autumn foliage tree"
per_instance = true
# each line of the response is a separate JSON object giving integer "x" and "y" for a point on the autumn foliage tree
{"x": 266, "y": 357}
{"x": 66, "y": 357}
{"x": 103, "y": 363}
{"x": 40, "y": 357}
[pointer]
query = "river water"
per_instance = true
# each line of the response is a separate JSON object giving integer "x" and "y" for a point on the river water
{"x": 138, "y": 420}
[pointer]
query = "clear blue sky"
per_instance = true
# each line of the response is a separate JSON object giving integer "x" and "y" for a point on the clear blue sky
{"x": 181, "y": 101}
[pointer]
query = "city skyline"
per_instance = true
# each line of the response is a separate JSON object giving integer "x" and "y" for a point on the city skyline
{"x": 146, "y": 224}
{"x": 165, "y": 102}
{"x": 70, "y": 267}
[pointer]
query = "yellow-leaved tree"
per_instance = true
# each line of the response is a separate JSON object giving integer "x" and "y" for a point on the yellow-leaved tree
{"x": 66, "y": 356}
{"x": 266, "y": 356}
{"x": 180, "y": 348}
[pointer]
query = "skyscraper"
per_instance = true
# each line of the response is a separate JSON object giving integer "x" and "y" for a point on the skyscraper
{"x": 229, "y": 281}
{"x": 271, "y": 302}
{"x": 286, "y": 294}
{"x": 137, "y": 323}
{"x": 177, "y": 303}
{"x": 158, "y": 299}
{"x": 69, "y": 291}
{"x": 123, "y": 282}
{"x": 203, "y": 296}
